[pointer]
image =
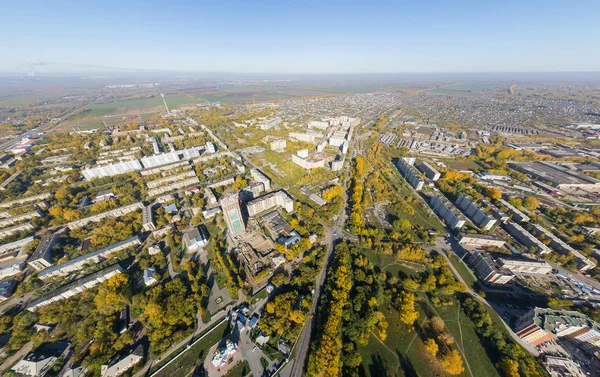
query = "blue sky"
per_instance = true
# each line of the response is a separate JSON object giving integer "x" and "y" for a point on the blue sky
{"x": 305, "y": 36}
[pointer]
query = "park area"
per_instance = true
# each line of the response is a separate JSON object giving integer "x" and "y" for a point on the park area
{"x": 404, "y": 353}
{"x": 186, "y": 359}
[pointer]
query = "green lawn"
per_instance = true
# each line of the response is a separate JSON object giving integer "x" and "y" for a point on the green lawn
{"x": 403, "y": 353}
{"x": 475, "y": 353}
{"x": 194, "y": 355}
{"x": 240, "y": 370}
{"x": 464, "y": 271}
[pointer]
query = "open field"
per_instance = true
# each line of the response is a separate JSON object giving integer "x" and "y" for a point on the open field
{"x": 461, "y": 164}
{"x": 471, "y": 87}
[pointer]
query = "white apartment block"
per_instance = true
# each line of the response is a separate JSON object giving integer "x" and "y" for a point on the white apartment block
{"x": 269, "y": 201}
{"x": 307, "y": 164}
{"x": 278, "y": 145}
{"x": 258, "y": 176}
{"x": 112, "y": 169}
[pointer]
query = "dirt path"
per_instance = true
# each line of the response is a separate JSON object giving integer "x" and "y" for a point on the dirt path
{"x": 460, "y": 347}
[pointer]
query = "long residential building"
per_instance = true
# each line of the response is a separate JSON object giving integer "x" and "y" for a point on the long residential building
{"x": 5, "y": 232}
{"x": 429, "y": 171}
{"x": 112, "y": 169}
{"x": 28, "y": 199}
{"x": 517, "y": 215}
{"x": 479, "y": 240}
{"x": 561, "y": 247}
{"x": 526, "y": 238}
{"x": 7, "y": 250}
{"x": 444, "y": 209}
{"x": 19, "y": 218}
{"x": 487, "y": 269}
{"x": 41, "y": 257}
{"x": 76, "y": 287}
{"x": 411, "y": 174}
{"x": 80, "y": 262}
{"x": 309, "y": 137}
{"x": 170, "y": 167}
{"x": 169, "y": 179}
{"x": 117, "y": 212}
{"x": 470, "y": 209}
{"x": 174, "y": 186}
{"x": 275, "y": 199}
{"x": 525, "y": 266}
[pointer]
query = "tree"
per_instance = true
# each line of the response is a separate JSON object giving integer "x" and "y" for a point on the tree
{"x": 509, "y": 367}
{"x": 431, "y": 347}
{"x": 531, "y": 203}
{"x": 452, "y": 362}
{"x": 408, "y": 314}
{"x": 493, "y": 193}
{"x": 332, "y": 192}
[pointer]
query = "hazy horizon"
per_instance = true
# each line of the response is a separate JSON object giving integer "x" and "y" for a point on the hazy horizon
{"x": 308, "y": 37}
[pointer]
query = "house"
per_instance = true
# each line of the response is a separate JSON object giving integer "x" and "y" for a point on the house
{"x": 149, "y": 278}
{"x": 171, "y": 209}
{"x": 118, "y": 368}
{"x": 195, "y": 239}
{"x": 38, "y": 362}
{"x": 104, "y": 195}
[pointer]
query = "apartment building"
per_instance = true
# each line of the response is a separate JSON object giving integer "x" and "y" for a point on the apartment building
{"x": 41, "y": 257}
{"x": 445, "y": 210}
{"x": 429, "y": 171}
{"x": 410, "y": 174}
{"x": 487, "y": 269}
{"x": 470, "y": 209}
{"x": 525, "y": 266}
{"x": 269, "y": 201}
{"x": 479, "y": 240}
{"x": 76, "y": 287}
{"x": 526, "y": 238}
{"x": 80, "y": 262}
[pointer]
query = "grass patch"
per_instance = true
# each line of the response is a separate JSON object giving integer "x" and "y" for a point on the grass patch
{"x": 240, "y": 370}
{"x": 193, "y": 356}
{"x": 476, "y": 355}
{"x": 464, "y": 271}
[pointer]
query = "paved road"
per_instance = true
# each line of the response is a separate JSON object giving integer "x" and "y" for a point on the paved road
{"x": 332, "y": 235}
{"x": 12, "y": 142}
{"x": 445, "y": 250}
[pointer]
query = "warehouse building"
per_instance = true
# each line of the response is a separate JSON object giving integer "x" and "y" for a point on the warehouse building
{"x": 558, "y": 176}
